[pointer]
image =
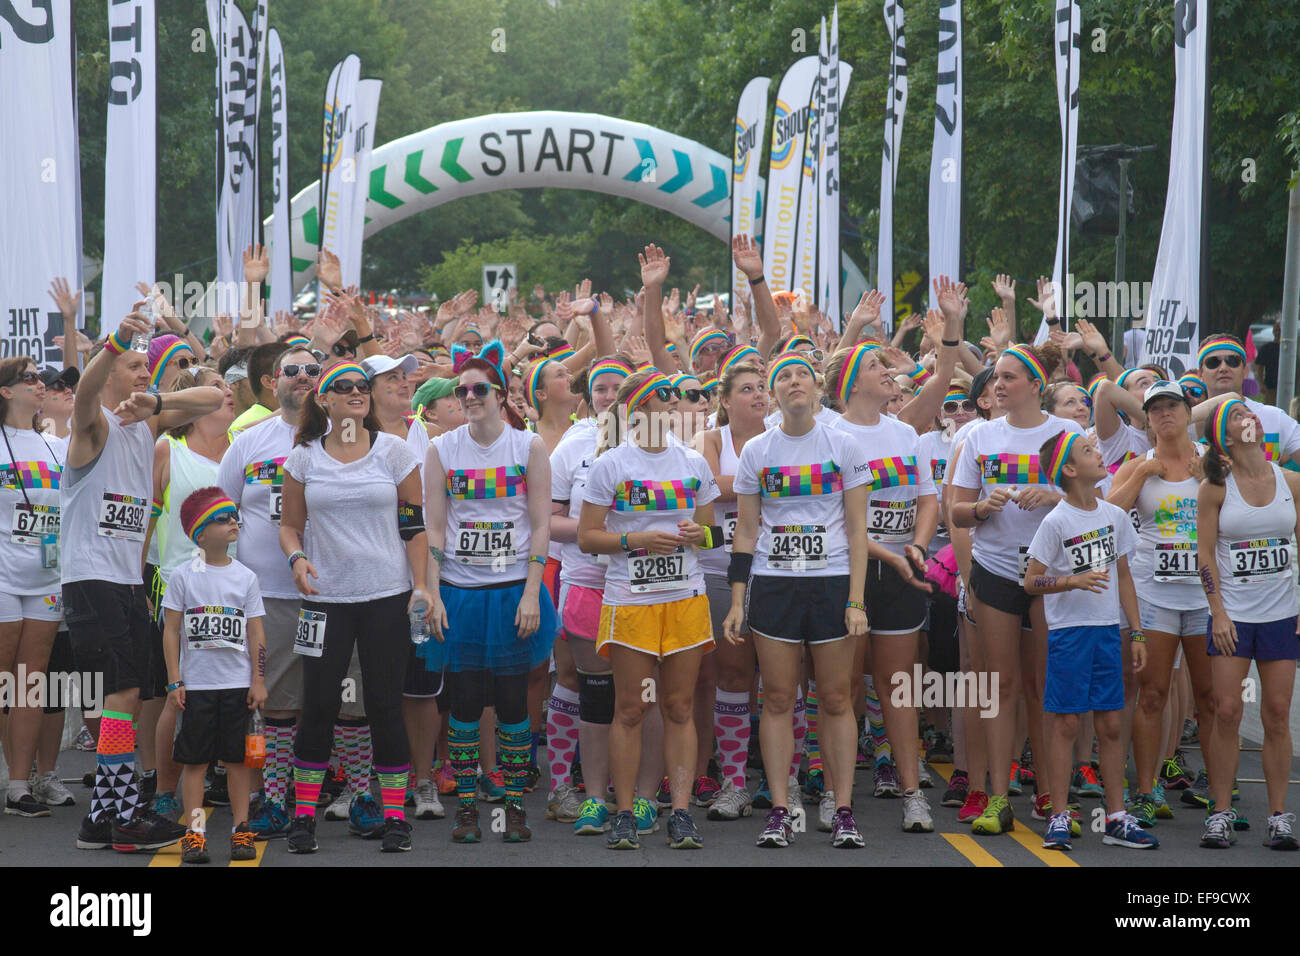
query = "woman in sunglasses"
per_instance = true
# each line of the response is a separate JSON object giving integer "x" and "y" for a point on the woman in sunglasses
{"x": 168, "y": 357}
{"x": 654, "y": 614}
{"x": 60, "y": 392}
{"x": 692, "y": 406}
{"x": 30, "y": 606}
{"x": 489, "y": 504}
{"x": 1221, "y": 363}
{"x": 359, "y": 488}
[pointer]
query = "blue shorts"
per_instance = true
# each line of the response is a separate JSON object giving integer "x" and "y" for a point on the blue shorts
{"x": 1085, "y": 670}
{"x": 1274, "y": 641}
{"x": 481, "y": 634}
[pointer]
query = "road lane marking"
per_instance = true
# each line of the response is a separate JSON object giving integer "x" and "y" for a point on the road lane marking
{"x": 966, "y": 845}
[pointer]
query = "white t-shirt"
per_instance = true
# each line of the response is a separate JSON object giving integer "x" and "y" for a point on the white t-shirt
{"x": 570, "y": 463}
{"x": 1071, "y": 541}
{"x": 1126, "y": 443}
{"x": 488, "y": 534}
{"x": 417, "y": 439}
{"x": 997, "y": 454}
{"x": 216, "y": 604}
{"x": 29, "y": 509}
{"x": 801, "y": 483}
{"x": 619, "y": 480}
{"x": 900, "y": 475}
{"x": 1281, "y": 433}
{"x": 252, "y": 475}
{"x": 351, "y": 536}
{"x": 824, "y": 415}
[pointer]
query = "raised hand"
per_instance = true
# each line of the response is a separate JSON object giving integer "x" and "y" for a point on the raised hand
{"x": 898, "y": 360}
{"x": 654, "y": 265}
{"x": 328, "y": 270}
{"x": 635, "y": 347}
{"x": 867, "y": 311}
{"x": 223, "y": 325}
{"x": 1046, "y": 301}
{"x": 1004, "y": 287}
{"x": 934, "y": 323}
{"x": 582, "y": 291}
{"x": 951, "y": 298}
{"x": 745, "y": 254}
{"x": 999, "y": 329}
{"x": 563, "y": 309}
{"x": 691, "y": 297}
{"x": 257, "y": 263}
{"x": 673, "y": 302}
{"x": 67, "y": 301}
{"x": 1090, "y": 336}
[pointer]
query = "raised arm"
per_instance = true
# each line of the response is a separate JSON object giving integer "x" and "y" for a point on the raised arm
{"x": 654, "y": 271}
{"x": 745, "y": 254}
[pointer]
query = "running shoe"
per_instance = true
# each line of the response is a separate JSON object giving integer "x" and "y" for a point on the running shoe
{"x": 270, "y": 822}
{"x": 25, "y": 806}
{"x": 365, "y": 818}
{"x": 683, "y": 834}
{"x": 1013, "y": 783}
{"x": 976, "y": 803}
{"x": 427, "y": 804}
{"x": 1198, "y": 794}
{"x": 302, "y": 834}
{"x": 339, "y": 806}
{"x": 777, "y": 831}
{"x": 466, "y": 829}
{"x": 1239, "y": 821}
{"x": 1163, "y": 810}
{"x": 166, "y": 805}
{"x": 194, "y": 847}
{"x": 763, "y": 795}
{"x": 1191, "y": 732}
{"x": 646, "y": 815}
{"x": 1279, "y": 832}
{"x": 216, "y": 795}
{"x": 923, "y": 777}
{"x": 1127, "y": 831}
{"x": 49, "y": 790}
{"x": 85, "y": 741}
{"x": 705, "y": 791}
{"x": 564, "y": 804}
{"x": 1058, "y": 833}
{"x": 243, "y": 844}
{"x": 593, "y": 818}
{"x": 145, "y": 831}
{"x": 845, "y": 833}
{"x": 1172, "y": 774}
{"x": 1218, "y": 833}
{"x": 531, "y": 776}
{"x": 826, "y": 812}
{"x": 1144, "y": 810}
{"x": 335, "y": 783}
{"x": 664, "y": 795}
{"x": 958, "y": 787}
{"x": 996, "y": 818}
{"x": 95, "y": 836}
{"x": 1089, "y": 782}
{"x": 814, "y": 785}
{"x": 941, "y": 750}
{"x": 445, "y": 778}
{"x": 732, "y": 804}
{"x": 492, "y": 786}
{"x": 1042, "y": 807}
{"x": 1028, "y": 778}
{"x": 516, "y": 823}
{"x": 396, "y": 836}
{"x": 1076, "y": 820}
{"x": 886, "y": 782}
{"x": 916, "y": 813}
{"x": 623, "y": 832}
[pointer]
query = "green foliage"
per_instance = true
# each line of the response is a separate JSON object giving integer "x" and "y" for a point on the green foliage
{"x": 550, "y": 260}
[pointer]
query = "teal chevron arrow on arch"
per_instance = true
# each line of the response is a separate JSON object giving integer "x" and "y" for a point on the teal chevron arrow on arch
{"x": 449, "y": 164}
{"x": 719, "y": 191}
{"x": 647, "y": 152}
{"x": 412, "y": 177}
{"x": 684, "y": 174}
{"x": 377, "y": 191}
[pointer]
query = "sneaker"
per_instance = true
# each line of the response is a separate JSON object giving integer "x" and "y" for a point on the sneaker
{"x": 85, "y": 742}
{"x": 1163, "y": 810}
{"x": 777, "y": 830}
{"x": 216, "y": 795}
{"x": 1058, "y": 833}
{"x": 975, "y": 804}
{"x": 49, "y": 790}
{"x": 1028, "y": 778}
{"x": 845, "y": 833}
{"x": 683, "y": 834}
{"x": 923, "y": 778}
{"x": 941, "y": 750}
{"x": 1218, "y": 833}
{"x": 25, "y": 806}
{"x": 270, "y": 822}
{"x": 1279, "y": 832}
{"x": 763, "y": 795}
{"x": 243, "y": 843}
{"x": 958, "y": 787}
{"x": 145, "y": 831}
{"x": 95, "y": 836}
{"x": 646, "y": 815}
{"x": 564, "y": 804}
{"x": 1172, "y": 774}
{"x": 1042, "y": 809}
{"x": 996, "y": 818}
{"x": 445, "y": 779}
{"x": 623, "y": 833}
{"x": 1127, "y": 831}
{"x": 826, "y": 812}
{"x": 705, "y": 791}
{"x": 166, "y": 805}
{"x": 664, "y": 795}
{"x": 194, "y": 848}
{"x": 340, "y": 806}
{"x": 492, "y": 786}
{"x": 365, "y": 818}
{"x": 335, "y": 782}
{"x": 1089, "y": 782}
{"x": 1239, "y": 821}
{"x": 732, "y": 804}
{"x": 886, "y": 781}
{"x": 466, "y": 829}
{"x": 814, "y": 786}
{"x": 916, "y": 813}
{"x": 1198, "y": 794}
{"x": 1144, "y": 810}
{"x": 396, "y": 836}
{"x": 302, "y": 834}
{"x": 516, "y": 824}
{"x": 1014, "y": 786}
{"x": 1076, "y": 820}
{"x": 427, "y": 804}
{"x": 593, "y": 818}
{"x": 531, "y": 776}
{"x": 1191, "y": 732}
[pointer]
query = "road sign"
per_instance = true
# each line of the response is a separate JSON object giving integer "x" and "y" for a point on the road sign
{"x": 498, "y": 280}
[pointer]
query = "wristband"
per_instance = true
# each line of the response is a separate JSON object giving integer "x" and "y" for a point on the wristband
{"x": 739, "y": 568}
{"x": 1055, "y": 321}
{"x": 955, "y": 343}
{"x": 115, "y": 344}
{"x": 295, "y": 556}
{"x": 918, "y": 374}
{"x": 1101, "y": 358}
{"x": 976, "y": 512}
{"x": 1137, "y": 637}
{"x": 856, "y": 604}
{"x": 176, "y": 686}
{"x": 367, "y": 338}
{"x": 157, "y": 408}
{"x": 622, "y": 540}
{"x": 438, "y": 554}
{"x": 539, "y": 558}
{"x": 757, "y": 281}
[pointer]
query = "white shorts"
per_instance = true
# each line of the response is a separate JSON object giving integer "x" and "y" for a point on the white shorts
{"x": 1177, "y": 623}
{"x": 32, "y": 607}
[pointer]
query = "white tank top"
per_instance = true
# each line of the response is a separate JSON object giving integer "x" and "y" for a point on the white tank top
{"x": 105, "y": 507}
{"x": 189, "y": 471}
{"x": 715, "y": 560}
{"x": 1164, "y": 566}
{"x": 1254, "y": 554}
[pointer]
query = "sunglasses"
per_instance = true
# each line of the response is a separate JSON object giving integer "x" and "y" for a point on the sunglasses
{"x": 815, "y": 354}
{"x": 58, "y": 387}
{"x": 1193, "y": 390}
{"x": 694, "y": 394}
{"x": 25, "y": 378}
{"x": 716, "y": 346}
{"x": 183, "y": 363}
{"x": 668, "y": 392}
{"x": 342, "y": 349}
{"x": 480, "y": 390}
{"x": 344, "y": 386}
{"x": 1214, "y": 361}
{"x": 966, "y": 405}
{"x": 292, "y": 371}
{"x": 226, "y": 517}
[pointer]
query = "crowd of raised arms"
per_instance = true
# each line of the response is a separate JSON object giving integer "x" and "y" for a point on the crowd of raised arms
{"x": 648, "y": 558}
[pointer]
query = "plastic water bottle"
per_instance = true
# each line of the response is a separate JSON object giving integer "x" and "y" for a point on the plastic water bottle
{"x": 255, "y": 743}
{"x": 419, "y": 628}
{"x": 140, "y": 341}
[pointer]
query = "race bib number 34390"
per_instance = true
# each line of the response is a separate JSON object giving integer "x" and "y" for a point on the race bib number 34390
{"x": 207, "y": 627}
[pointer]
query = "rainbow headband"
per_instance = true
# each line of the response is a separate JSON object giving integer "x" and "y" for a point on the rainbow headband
{"x": 1031, "y": 363}
{"x": 704, "y": 338}
{"x": 1191, "y": 382}
{"x": 1219, "y": 345}
{"x": 560, "y": 353}
{"x": 799, "y": 340}
{"x": 785, "y": 361}
{"x": 849, "y": 372}
{"x": 1060, "y": 455}
{"x": 166, "y": 357}
{"x": 678, "y": 379}
{"x": 1219, "y": 431}
{"x": 608, "y": 367}
{"x": 343, "y": 368}
{"x": 1092, "y": 386}
{"x": 1124, "y": 376}
{"x": 742, "y": 353}
{"x": 534, "y": 379}
{"x": 296, "y": 340}
{"x": 955, "y": 395}
{"x": 657, "y": 380}
{"x": 218, "y": 506}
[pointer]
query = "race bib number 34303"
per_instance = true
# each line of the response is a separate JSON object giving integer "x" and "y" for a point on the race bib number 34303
{"x": 797, "y": 547}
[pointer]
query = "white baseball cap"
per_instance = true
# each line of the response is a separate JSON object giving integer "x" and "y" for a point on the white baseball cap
{"x": 379, "y": 364}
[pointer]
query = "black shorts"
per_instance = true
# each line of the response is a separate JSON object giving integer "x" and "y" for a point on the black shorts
{"x": 108, "y": 625}
{"x": 420, "y": 682}
{"x": 798, "y": 610}
{"x": 1001, "y": 594}
{"x": 893, "y": 605}
{"x": 945, "y": 654}
{"x": 213, "y": 726}
{"x": 61, "y": 662}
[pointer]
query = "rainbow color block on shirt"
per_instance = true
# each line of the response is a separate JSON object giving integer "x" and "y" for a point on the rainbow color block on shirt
{"x": 32, "y": 474}
{"x": 793, "y": 480}
{"x": 1007, "y": 469}
{"x": 269, "y": 472}
{"x": 479, "y": 483}
{"x": 894, "y": 472}
{"x": 656, "y": 495}
{"x": 1273, "y": 446}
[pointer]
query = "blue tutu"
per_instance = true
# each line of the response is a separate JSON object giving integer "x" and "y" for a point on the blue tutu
{"x": 481, "y": 633}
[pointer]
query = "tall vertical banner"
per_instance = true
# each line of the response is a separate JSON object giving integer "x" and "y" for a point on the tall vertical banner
{"x": 945, "y": 155}
{"x": 746, "y": 156}
{"x": 235, "y": 46}
{"x": 281, "y": 252}
{"x": 1067, "y": 102}
{"x": 40, "y": 191}
{"x": 246, "y": 180}
{"x": 338, "y": 158}
{"x": 1174, "y": 305}
{"x": 805, "y": 243}
{"x": 895, "y": 110}
{"x": 785, "y": 170}
{"x": 130, "y": 158}
{"x": 367, "y": 112}
{"x": 828, "y": 184}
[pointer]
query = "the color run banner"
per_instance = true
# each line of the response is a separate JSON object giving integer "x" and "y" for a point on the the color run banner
{"x": 130, "y": 158}
{"x": 828, "y": 180}
{"x": 363, "y": 136}
{"x": 40, "y": 191}
{"x": 281, "y": 278}
{"x": 786, "y": 172}
{"x": 236, "y": 156}
{"x": 945, "y": 155}
{"x": 895, "y": 110}
{"x": 746, "y": 156}
{"x": 246, "y": 180}
{"x": 1173, "y": 313}
{"x": 1067, "y": 102}
{"x": 338, "y": 156}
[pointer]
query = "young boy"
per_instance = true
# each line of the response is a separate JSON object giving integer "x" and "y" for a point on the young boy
{"x": 220, "y": 674}
{"x": 1078, "y": 559}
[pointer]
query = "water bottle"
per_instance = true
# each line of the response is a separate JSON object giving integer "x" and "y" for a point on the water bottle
{"x": 140, "y": 341}
{"x": 255, "y": 743}
{"x": 419, "y": 628}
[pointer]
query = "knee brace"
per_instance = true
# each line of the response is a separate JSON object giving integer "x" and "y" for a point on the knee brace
{"x": 596, "y": 698}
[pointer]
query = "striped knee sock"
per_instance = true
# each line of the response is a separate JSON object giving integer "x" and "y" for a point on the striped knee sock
{"x": 561, "y": 734}
{"x": 512, "y": 754}
{"x": 115, "y": 792}
{"x": 357, "y": 754}
{"x": 462, "y": 748}
{"x": 731, "y": 727}
{"x": 307, "y": 780}
{"x": 800, "y": 731}
{"x": 392, "y": 789}
{"x": 811, "y": 744}
{"x": 879, "y": 739}
{"x": 279, "y": 758}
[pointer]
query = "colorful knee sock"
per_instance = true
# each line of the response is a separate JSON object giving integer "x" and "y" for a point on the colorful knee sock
{"x": 307, "y": 780}
{"x": 392, "y": 789}
{"x": 462, "y": 747}
{"x": 279, "y": 758}
{"x": 800, "y": 731}
{"x": 512, "y": 754}
{"x": 357, "y": 754}
{"x": 115, "y": 792}
{"x": 561, "y": 734}
{"x": 811, "y": 744}
{"x": 879, "y": 739}
{"x": 731, "y": 728}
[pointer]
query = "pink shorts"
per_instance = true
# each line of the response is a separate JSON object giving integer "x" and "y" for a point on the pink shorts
{"x": 580, "y": 610}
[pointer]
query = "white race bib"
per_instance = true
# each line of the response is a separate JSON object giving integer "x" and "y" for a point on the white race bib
{"x": 310, "y": 637}
{"x": 30, "y": 522}
{"x": 486, "y": 542}
{"x": 797, "y": 547}
{"x": 891, "y": 521}
{"x": 656, "y": 572}
{"x": 1093, "y": 551}
{"x": 211, "y": 626}
{"x": 1175, "y": 561}
{"x": 123, "y": 516}
{"x": 728, "y": 529}
{"x": 277, "y": 503}
{"x": 1258, "y": 560}
{"x": 1023, "y": 563}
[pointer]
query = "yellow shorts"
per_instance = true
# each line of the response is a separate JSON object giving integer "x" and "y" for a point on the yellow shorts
{"x": 658, "y": 629}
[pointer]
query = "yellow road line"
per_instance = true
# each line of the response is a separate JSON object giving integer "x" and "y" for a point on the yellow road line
{"x": 1034, "y": 844}
{"x": 171, "y": 855}
{"x": 966, "y": 845}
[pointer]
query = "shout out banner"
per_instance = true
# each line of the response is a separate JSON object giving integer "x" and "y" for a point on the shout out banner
{"x": 746, "y": 153}
{"x": 785, "y": 171}
{"x": 945, "y": 156}
{"x": 895, "y": 109}
{"x": 1067, "y": 102}
{"x": 828, "y": 180}
{"x": 281, "y": 278}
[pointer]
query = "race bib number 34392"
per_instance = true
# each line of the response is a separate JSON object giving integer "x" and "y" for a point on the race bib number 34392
{"x": 122, "y": 516}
